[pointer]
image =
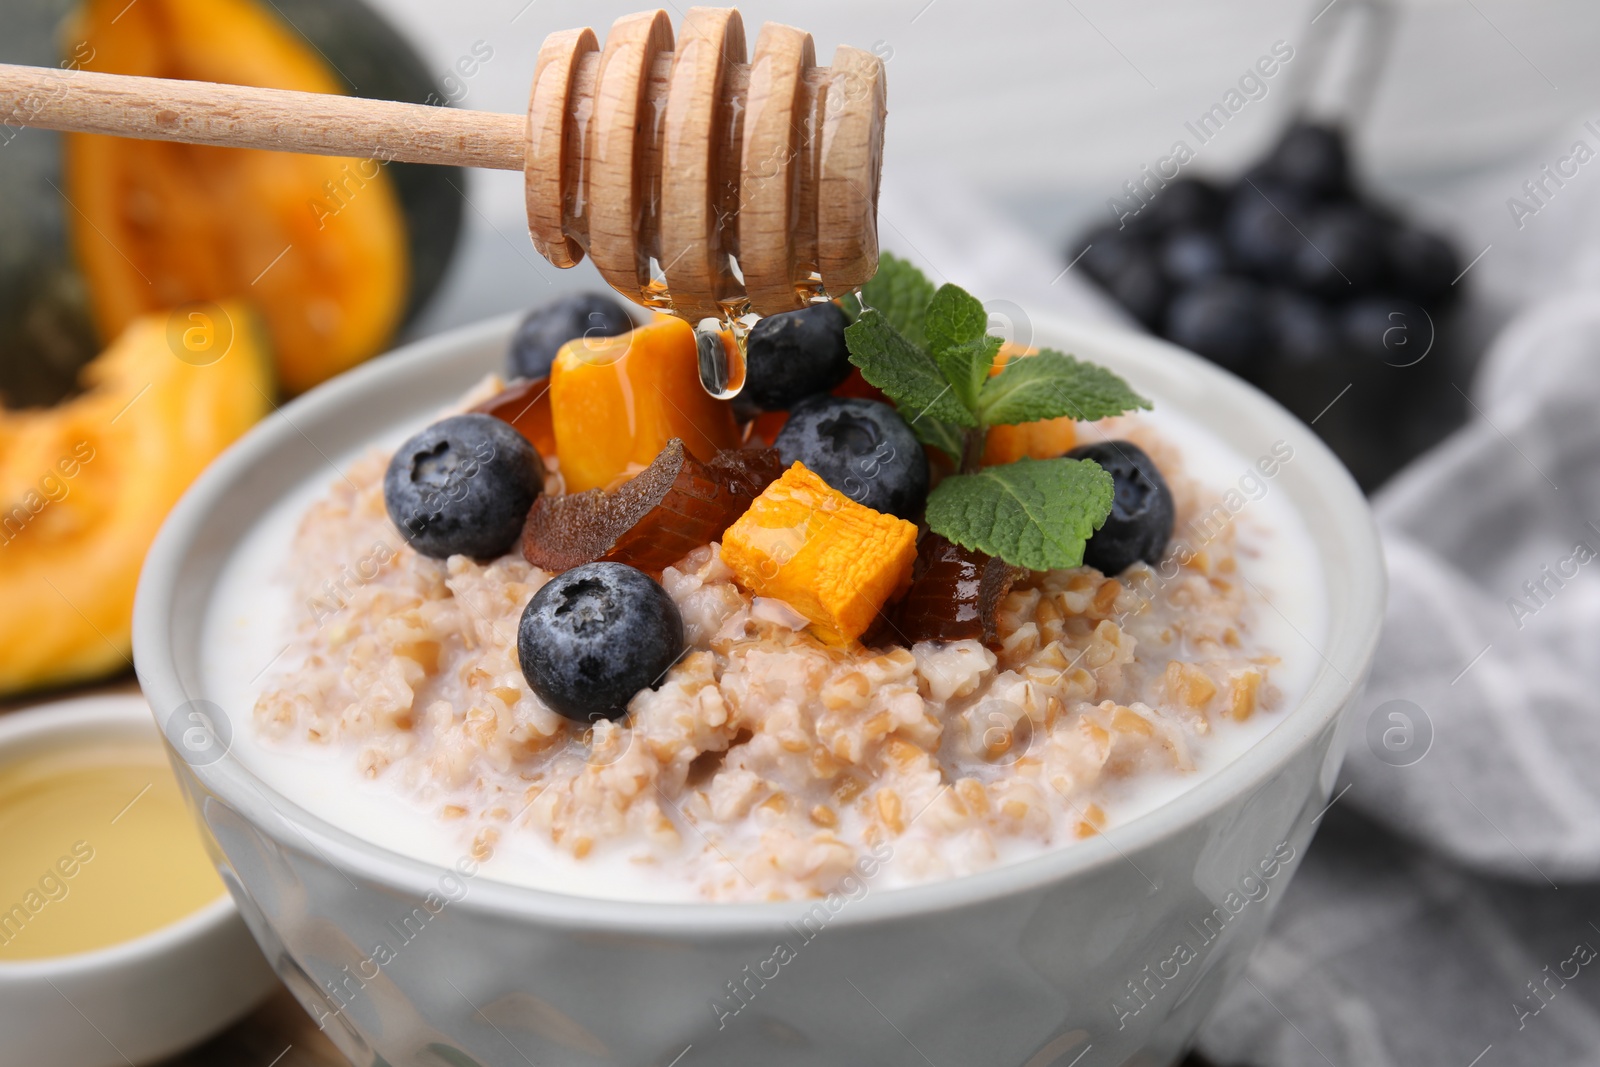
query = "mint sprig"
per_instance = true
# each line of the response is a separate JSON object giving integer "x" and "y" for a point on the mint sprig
{"x": 928, "y": 349}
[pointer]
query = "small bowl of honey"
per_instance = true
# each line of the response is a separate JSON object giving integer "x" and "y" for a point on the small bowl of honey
{"x": 119, "y": 942}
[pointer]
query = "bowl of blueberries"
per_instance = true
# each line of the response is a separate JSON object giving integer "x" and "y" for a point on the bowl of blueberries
{"x": 1297, "y": 280}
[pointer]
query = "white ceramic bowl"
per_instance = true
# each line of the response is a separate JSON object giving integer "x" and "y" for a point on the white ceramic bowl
{"x": 1024, "y": 964}
{"x": 140, "y": 1000}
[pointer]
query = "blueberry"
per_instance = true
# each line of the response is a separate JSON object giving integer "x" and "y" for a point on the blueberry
{"x": 1397, "y": 377}
{"x": 1261, "y": 228}
{"x": 1142, "y": 288}
{"x": 795, "y": 355}
{"x": 549, "y": 326}
{"x": 860, "y": 447}
{"x": 1225, "y": 320}
{"x": 1304, "y": 332}
{"x": 1310, "y": 363}
{"x": 1186, "y": 203}
{"x": 1312, "y": 157}
{"x": 1190, "y": 255}
{"x": 594, "y": 636}
{"x": 1422, "y": 265}
{"x": 1260, "y": 174}
{"x": 1388, "y": 329}
{"x": 1140, "y": 523}
{"x": 1105, "y": 252}
{"x": 1345, "y": 253}
{"x": 463, "y": 487}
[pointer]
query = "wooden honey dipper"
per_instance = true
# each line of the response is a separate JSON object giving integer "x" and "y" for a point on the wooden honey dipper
{"x": 697, "y": 182}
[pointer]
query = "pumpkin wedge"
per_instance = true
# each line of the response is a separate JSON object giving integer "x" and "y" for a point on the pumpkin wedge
{"x": 318, "y": 243}
{"x": 85, "y": 485}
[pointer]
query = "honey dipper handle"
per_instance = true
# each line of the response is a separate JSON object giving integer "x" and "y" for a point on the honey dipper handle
{"x": 237, "y": 116}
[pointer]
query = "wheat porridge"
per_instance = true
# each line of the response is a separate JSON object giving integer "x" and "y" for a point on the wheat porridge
{"x": 769, "y": 762}
{"x": 917, "y": 604}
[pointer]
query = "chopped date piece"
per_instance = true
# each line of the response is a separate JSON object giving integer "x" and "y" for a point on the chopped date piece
{"x": 654, "y": 519}
{"x": 525, "y": 405}
{"x": 954, "y": 593}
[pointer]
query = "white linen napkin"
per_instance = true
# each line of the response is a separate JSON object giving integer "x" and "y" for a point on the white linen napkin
{"x": 1449, "y": 908}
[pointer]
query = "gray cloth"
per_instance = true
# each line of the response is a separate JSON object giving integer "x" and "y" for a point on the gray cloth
{"x": 1449, "y": 908}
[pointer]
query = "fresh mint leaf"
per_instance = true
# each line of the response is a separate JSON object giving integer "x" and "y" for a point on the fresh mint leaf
{"x": 901, "y": 292}
{"x": 956, "y": 328}
{"x": 1050, "y": 385}
{"x": 936, "y": 432}
{"x": 1034, "y": 513}
{"x": 906, "y": 373}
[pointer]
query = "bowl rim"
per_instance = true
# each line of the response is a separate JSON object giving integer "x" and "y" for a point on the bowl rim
{"x": 66, "y": 722}
{"x": 1349, "y": 644}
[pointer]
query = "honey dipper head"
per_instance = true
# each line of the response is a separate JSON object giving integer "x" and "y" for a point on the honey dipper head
{"x": 701, "y": 178}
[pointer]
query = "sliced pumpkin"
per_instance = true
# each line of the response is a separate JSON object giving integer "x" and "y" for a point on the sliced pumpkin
{"x": 833, "y": 560}
{"x": 1044, "y": 439}
{"x": 317, "y": 242}
{"x": 615, "y": 402}
{"x": 84, "y": 486}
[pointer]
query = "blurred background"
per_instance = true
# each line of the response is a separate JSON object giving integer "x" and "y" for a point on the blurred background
{"x": 1345, "y": 202}
{"x": 1025, "y": 119}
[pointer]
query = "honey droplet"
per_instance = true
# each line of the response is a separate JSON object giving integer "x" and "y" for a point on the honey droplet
{"x": 722, "y": 344}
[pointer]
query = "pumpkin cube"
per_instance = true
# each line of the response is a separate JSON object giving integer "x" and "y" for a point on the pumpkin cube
{"x": 615, "y": 402}
{"x": 833, "y": 560}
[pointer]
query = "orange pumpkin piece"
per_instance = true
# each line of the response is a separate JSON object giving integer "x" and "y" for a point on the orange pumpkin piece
{"x": 317, "y": 242}
{"x": 833, "y": 560}
{"x": 615, "y": 402}
{"x": 1044, "y": 439}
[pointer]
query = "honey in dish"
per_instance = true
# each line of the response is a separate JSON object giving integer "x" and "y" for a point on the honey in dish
{"x": 96, "y": 848}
